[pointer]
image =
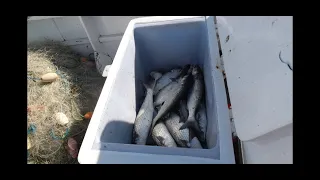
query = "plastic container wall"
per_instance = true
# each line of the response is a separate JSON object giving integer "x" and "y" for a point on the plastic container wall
{"x": 152, "y": 44}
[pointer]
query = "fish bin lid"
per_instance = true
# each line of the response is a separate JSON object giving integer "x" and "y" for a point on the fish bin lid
{"x": 259, "y": 73}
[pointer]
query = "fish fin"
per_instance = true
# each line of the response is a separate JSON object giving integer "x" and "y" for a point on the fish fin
{"x": 191, "y": 123}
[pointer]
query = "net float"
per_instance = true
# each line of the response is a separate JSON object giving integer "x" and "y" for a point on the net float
{"x": 49, "y": 77}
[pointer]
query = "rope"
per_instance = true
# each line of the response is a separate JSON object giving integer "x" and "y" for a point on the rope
{"x": 32, "y": 128}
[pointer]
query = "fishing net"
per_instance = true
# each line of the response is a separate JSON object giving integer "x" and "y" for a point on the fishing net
{"x": 74, "y": 93}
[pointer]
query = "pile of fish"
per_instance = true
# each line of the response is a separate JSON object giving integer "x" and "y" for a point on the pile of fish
{"x": 173, "y": 113}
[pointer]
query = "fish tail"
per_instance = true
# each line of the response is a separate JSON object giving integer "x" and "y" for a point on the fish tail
{"x": 191, "y": 123}
{"x": 159, "y": 115}
{"x": 152, "y": 81}
{"x": 147, "y": 86}
{"x": 155, "y": 75}
{"x": 150, "y": 85}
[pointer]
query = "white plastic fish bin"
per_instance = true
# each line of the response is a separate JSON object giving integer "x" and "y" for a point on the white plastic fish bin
{"x": 148, "y": 44}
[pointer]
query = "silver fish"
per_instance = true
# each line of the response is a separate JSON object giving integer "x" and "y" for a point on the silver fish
{"x": 144, "y": 118}
{"x": 195, "y": 143}
{"x": 194, "y": 99}
{"x": 183, "y": 111}
{"x": 173, "y": 124}
{"x": 166, "y": 79}
{"x": 201, "y": 117}
{"x": 173, "y": 97}
{"x": 162, "y": 96}
{"x": 150, "y": 141}
{"x": 162, "y": 137}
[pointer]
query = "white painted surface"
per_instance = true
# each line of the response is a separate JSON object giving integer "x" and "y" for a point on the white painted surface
{"x": 70, "y": 27}
{"x": 42, "y": 30}
{"x": 90, "y": 25}
{"x": 66, "y": 29}
{"x": 260, "y": 85}
{"x": 105, "y": 33}
{"x": 272, "y": 148}
{"x": 42, "y": 17}
{"x": 110, "y": 38}
{"x": 75, "y": 42}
